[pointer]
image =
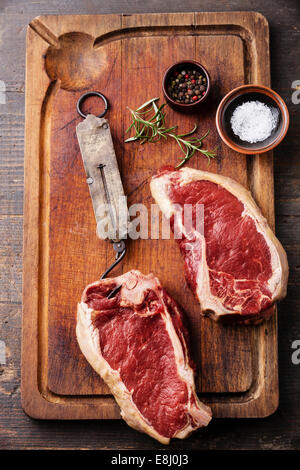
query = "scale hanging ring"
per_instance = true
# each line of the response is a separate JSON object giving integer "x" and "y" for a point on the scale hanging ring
{"x": 87, "y": 95}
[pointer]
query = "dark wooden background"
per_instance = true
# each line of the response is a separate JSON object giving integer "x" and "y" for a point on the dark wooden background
{"x": 18, "y": 431}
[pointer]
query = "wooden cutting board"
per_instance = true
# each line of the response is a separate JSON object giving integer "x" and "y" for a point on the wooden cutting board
{"x": 125, "y": 57}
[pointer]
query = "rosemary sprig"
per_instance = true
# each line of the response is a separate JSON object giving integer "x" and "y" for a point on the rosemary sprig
{"x": 149, "y": 125}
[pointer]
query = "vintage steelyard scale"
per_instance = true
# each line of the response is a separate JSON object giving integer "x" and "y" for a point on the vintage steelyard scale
{"x": 104, "y": 180}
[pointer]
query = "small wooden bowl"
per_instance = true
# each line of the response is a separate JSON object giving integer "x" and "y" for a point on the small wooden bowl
{"x": 178, "y": 66}
{"x": 239, "y": 96}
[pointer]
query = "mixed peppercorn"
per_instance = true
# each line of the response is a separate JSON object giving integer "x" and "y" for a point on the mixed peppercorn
{"x": 187, "y": 86}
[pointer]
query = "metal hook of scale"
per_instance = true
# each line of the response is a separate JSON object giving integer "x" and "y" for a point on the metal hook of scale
{"x": 94, "y": 133}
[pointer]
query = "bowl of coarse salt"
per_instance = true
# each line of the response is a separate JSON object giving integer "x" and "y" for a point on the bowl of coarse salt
{"x": 252, "y": 119}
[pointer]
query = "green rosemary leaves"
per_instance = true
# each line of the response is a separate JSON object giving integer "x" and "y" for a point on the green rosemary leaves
{"x": 148, "y": 123}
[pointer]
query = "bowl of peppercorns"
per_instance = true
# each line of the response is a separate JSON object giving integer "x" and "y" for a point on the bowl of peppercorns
{"x": 186, "y": 85}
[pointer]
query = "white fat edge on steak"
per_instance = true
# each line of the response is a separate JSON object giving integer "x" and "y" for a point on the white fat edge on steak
{"x": 277, "y": 283}
{"x": 202, "y": 414}
{"x": 88, "y": 339}
{"x": 134, "y": 296}
{"x": 210, "y": 302}
{"x": 213, "y": 303}
{"x": 278, "y": 256}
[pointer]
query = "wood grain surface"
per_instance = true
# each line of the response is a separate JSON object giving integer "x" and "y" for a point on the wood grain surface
{"x": 73, "y": 240}
{"x": 125, "y": 57}
{"x": 280, "y": 431}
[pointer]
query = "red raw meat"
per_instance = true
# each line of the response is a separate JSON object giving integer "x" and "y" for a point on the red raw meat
{"x": 138, "y": 343}
{"x": 236, "y": 267}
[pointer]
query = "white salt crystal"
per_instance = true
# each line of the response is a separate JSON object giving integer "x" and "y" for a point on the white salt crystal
{"x": 254, "y": 121}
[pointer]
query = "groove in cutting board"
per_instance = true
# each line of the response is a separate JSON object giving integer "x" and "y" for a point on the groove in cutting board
{"x": 237, "y": 365}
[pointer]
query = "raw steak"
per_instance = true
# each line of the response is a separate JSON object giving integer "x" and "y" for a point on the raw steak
{"x": 139, "y": 345}
{"x": 235, "y": 266}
